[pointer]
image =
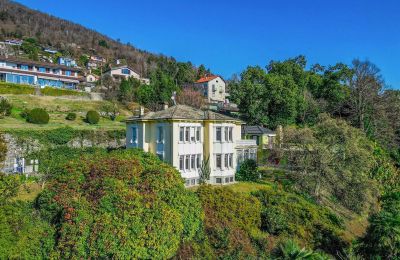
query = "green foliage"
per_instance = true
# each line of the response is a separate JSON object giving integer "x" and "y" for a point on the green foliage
{"x": 121, "y": 204}
{"x": 103, "y": 43}
{"x": 3, "y": 149}
{"x": 289, "y": 250}
{"x": 205, "y": 171}
{"x": 92, "y": 117}
{"x": 5, "y": 107}
{"x": 382, "y": 240}
{"x": 57, "y": 92}
{"x": 71, "y": 116}
{"x": 9, "y": 185}
{"x": 24, "y": 113}
{"x": 248, "y": 171}
{"x": 23, "y": 234}
{"x": 335, "y": 161}
{"x": 38, "y": 116}
{"x": 289, "y": 215}
{"x": 17, "y": 89}
{"x": 61, "y": 136}
{"x": 128, "y": 88}
{"x": 11, "y": 88}
{"x": 231, "y": 223}
{"x": 31, "y": 47}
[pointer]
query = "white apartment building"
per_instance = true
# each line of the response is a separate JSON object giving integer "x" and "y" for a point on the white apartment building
{"x": 184, "y": 136}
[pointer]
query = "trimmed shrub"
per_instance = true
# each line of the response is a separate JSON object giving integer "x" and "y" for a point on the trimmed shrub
{"x": 38, "y": 116}
{"x": 71, "y": 116}
{"x": 92, "y": 117}
{"x": 24, "y": 113}
{"x": 248, "y": 171}
{"x": 5, "y": 107}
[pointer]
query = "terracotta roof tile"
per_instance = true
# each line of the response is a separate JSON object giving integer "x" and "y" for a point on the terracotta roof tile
{"x": 206, "y": 79}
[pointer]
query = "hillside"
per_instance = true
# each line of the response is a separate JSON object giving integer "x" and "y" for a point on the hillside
{"x": 18, "y": 21}
{"x": 58, "y": 104}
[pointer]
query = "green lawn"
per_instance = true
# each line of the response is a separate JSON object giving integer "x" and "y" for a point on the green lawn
{"x": 58, "y": 108}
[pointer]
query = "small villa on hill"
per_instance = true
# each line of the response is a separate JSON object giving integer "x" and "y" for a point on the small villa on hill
{"x": 125, "y": 72}
{"x": 212, "y": 87}
{"x": 184, "y": 136}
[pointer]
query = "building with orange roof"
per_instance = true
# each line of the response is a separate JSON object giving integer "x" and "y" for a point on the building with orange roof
{"x": 212, "y": 87}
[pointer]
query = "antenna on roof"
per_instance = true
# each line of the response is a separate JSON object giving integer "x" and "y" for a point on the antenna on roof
{"x": 174, "y": 97}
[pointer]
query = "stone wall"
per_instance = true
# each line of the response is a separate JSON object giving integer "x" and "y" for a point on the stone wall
{"x": 18, "y": 148}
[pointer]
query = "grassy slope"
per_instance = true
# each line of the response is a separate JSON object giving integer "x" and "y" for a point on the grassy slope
{"x": 58, "y": 108}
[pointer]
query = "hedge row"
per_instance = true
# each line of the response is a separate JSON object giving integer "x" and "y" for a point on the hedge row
{"x": 18, "y": 89}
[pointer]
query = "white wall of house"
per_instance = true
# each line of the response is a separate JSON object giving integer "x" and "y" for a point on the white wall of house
{"x": 119, "y": 72}
{"x": 214, "y": 90}
{"x": 185, "y": 144}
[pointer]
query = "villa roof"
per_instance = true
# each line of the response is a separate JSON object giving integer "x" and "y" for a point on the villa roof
{"x": 184, "y": 112}
{"x": 122, "y": 67}
{"x": 207, "y": 78}
{"x": 256, "y": 130}
{"x": 38, "y": 63}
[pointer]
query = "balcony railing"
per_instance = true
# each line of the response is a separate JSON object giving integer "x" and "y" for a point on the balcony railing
{"x": 245, "y": 143}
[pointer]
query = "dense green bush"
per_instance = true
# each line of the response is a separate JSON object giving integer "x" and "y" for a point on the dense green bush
{"x": 24, "y": 113}
{"x": 5, "y": 107}
{"x": 38, "y": 116}
{"x": 248, "y": 171}
{"x": 290, "y": 215}
{"x": 60, "y": 136}
{"x": 382, "y": 239}
{"x": 232, "y": 222}
{"x": 123, "y": 204}
{"x": 92, "y": 117}
{"x": 71, "y": 116}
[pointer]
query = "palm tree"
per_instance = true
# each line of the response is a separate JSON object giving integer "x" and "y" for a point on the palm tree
{"x": 289, "y": 250}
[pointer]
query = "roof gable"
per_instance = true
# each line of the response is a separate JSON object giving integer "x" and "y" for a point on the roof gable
{"x": 209, "y": 78}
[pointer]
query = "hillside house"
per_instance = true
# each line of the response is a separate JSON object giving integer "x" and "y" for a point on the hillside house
{"x": 41, "y": 74}
{"x": 213, "y": 88}
{"x": 184, "y": 136}
{"x": 125, "y": 72}
{"x": 68, "y": 62}
{"x": 265, "y": 138}
{"x": 95, "y": 62}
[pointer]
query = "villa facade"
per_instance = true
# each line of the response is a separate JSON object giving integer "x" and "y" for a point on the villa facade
{"x": 213, "y": 88}
{"x": 41, "y": 74}
{"x": 125, "y": 72}
{"x": 184, "y": 136}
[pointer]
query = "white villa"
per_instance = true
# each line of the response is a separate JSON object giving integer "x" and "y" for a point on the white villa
{"x": 184, "y": 136}
{"x": 213, "y": 88}
{"x": 125, "y": 72}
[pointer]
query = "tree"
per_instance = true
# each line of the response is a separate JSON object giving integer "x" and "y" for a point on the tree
{"x": 191, "y": 97}
{"x": 205, "y": 171}
{"x": 128, "y": 88}
{"x": 382, "y": 239}
{"x": 366, "y": 84}
{"x": 5, "y": 107}
{"x": 332, "y": 159}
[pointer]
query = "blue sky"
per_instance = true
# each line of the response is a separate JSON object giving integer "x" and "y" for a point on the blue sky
{"x": 229, "y": 35}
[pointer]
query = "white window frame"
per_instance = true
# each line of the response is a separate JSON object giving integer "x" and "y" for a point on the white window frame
{"x": 230, "y": 133}
{"x": 181, "y": 162}
{"x": 181, "y": 134}
{"x": 198, "y": 134}
{"x": 192, "y": 162}
{"x": 216, "y": 133}
{"x": 226, "y": 160}
{"x": 187, "y": 134}
{"x": 187, "y": 162}
{"x": 220, "y": 161}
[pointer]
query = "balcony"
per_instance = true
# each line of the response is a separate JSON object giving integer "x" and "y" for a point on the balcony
{"x": 246, "y": 143}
